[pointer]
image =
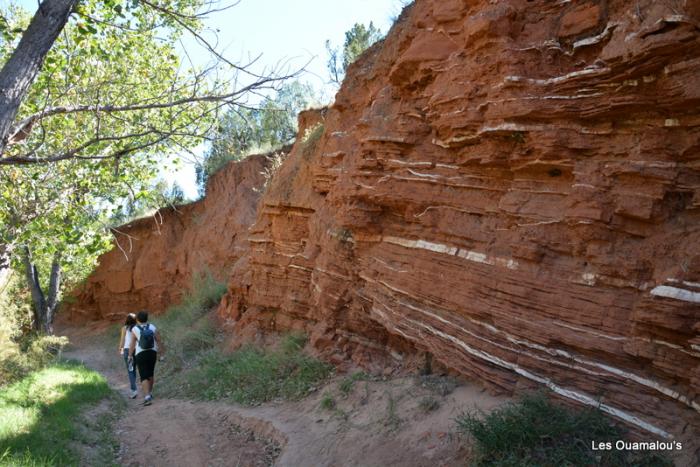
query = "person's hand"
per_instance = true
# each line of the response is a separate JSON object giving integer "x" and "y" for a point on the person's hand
{"x": 121, "y": 350}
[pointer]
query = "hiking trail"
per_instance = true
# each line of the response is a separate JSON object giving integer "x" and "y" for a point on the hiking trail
{"x": 380, "y": 423}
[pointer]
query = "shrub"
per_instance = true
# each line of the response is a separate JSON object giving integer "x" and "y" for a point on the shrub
{"x": 535, "y": 431}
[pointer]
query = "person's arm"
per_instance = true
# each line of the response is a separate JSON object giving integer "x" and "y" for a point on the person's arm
{"x": 132, "y": 347}
{"x": 161, "y": 344}
{"x": 121, "y": 340}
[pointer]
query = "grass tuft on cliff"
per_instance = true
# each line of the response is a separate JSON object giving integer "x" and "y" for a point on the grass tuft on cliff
{"x": 535, "y": 431}
{"x": 42, "y": 420}
{"x": 187, "y": 327}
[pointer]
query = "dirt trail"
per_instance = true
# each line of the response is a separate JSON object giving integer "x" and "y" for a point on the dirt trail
{"x": 377, "y": 423}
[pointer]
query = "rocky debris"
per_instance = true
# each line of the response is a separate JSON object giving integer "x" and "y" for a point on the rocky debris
{"x": 512, "y": 186}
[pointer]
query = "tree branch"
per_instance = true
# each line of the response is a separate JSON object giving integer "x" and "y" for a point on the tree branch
{"x": 21, "y": 68}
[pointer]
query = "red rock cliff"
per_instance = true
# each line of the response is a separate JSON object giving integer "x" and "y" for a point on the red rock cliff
{"x": 155, "y": 258}
{"x": 512, "y": 186}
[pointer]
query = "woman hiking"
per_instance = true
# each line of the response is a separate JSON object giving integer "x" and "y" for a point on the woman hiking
{"x": 124, "y": 344}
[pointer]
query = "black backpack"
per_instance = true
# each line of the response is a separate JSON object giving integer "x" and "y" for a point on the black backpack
{"x": 147, "y": 339}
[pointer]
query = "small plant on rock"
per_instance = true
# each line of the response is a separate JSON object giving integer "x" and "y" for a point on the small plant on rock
{"x": 428, "y": 404}
{"x": 327, "y": 403}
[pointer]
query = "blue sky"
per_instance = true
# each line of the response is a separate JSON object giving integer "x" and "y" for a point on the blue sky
{"x": 283, "y": 31}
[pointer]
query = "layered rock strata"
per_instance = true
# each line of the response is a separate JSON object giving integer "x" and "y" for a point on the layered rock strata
{"x": 512, "y": 186}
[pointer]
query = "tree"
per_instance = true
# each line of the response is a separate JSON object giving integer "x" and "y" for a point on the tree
{"x": 92, "y": 96}
{"x": 241, "y": 130}
{"x": 191, "y": 96}
{"x": 174, "y": 195}
{"x": 357, "y": 39}
{"x": 44, "y": 304}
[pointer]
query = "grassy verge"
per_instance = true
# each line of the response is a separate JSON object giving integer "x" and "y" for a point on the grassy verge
{"x": 196, "y": 368}
{"x": 41, "y": 421}
{"x": 19, "y": 358}
{"x": 536, "y": 432}
{"x": 251, "y": 375}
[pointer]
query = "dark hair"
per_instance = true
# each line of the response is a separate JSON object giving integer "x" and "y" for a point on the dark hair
{"x": 130, "y": 321}
{"x": 142, "y": 316}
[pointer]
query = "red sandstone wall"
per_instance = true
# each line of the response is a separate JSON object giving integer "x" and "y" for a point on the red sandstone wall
{"x": 158, "y": 256}
{"x": 513, "y": 186}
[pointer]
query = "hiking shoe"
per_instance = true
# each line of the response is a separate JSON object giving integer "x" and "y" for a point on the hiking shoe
{"x": 147, "y": 400}
{"x": 134, "y": 394}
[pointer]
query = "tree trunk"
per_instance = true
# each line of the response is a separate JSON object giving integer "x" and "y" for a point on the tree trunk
{"x": 5, "y": 271}
{"x": 38, "y": 301}
{"x": 25, "y": 62}
{"x": 44, "y": 306}
{"x": 54, "y": 286}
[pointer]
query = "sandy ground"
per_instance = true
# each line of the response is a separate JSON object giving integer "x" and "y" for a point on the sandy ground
{"x": 377, "y": 423}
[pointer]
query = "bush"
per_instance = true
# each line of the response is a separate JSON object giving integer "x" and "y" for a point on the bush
{"x": 535, "y": 431}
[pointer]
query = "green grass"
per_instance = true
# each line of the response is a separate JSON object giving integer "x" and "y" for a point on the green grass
{"x": 187, "y": 328}
{"x": 536, "y": 432}
{"x": 250, "y": 375}
{"x": 327, "y": 402}
{"x": 196, "y": 368}
{"x": 40, "y": 415}
{"x": 347, "y": 384}
{"x": 22, "y": 351}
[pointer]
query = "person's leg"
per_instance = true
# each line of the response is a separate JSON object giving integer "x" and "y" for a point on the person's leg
{"x": 142, "y": 365}
{"x": 153, "y": 374}
{"x": 149, "y": 363}
{"x": 132, "y": 373}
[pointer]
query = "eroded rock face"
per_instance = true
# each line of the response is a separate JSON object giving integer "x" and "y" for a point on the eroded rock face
{"x": 156, "y": 258}
{"x": 512, "y": 186}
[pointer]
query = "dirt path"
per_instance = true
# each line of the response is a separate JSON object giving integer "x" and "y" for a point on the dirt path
{"x": 376, "y": 423}
{"x": 174, "y": 432}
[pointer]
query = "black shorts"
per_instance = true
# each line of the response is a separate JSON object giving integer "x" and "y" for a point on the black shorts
{"x": 146, "y": 363}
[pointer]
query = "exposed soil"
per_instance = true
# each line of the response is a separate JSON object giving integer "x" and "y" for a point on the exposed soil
{"x": 374, "y": 422}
